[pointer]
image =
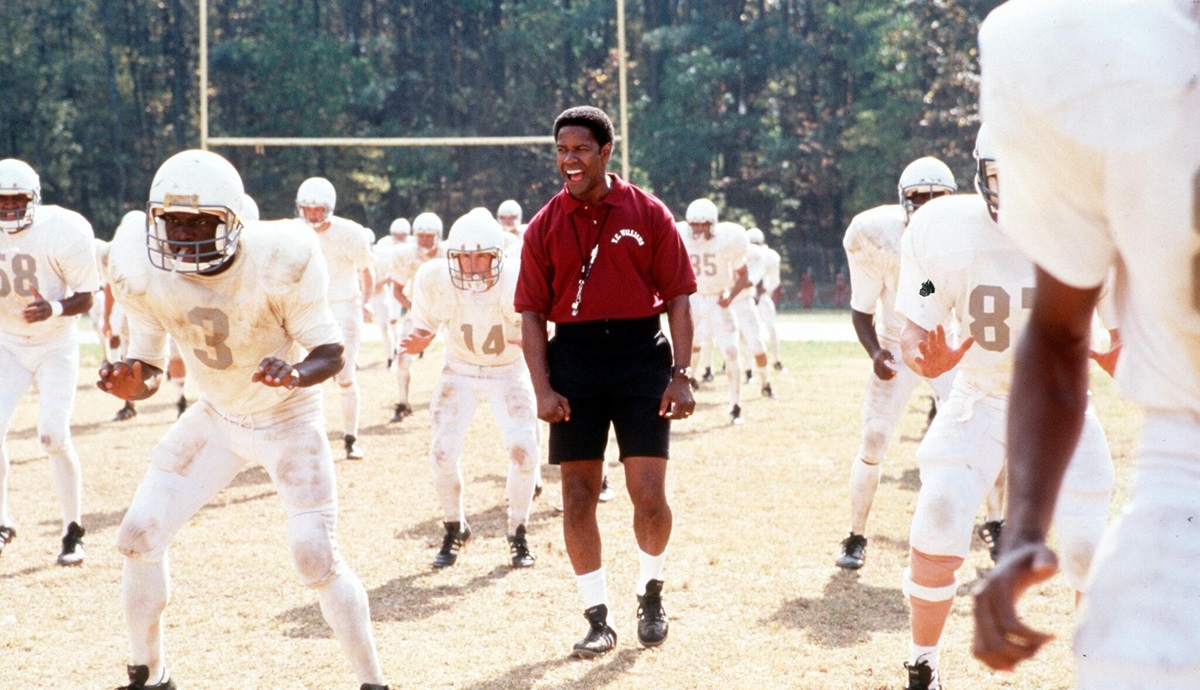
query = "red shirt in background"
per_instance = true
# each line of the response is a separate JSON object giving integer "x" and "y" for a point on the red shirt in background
{"x": 640, "y": 265}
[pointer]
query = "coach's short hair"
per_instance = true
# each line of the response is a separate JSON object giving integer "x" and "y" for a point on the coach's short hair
{"x": 594, "y": 119}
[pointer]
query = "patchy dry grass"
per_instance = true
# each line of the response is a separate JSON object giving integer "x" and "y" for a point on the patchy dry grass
{"x": 754, "y": 597}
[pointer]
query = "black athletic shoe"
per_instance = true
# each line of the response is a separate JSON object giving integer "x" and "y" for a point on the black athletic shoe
{"x": 353, "y": 450}
{"x": 537, "y": 490}
{"x": 694, "y": 383}
{"x": 606, "y": 492}
{"x": 518, "y": 546}
{"x": 778, "y": 365}
{"x": 989, "y": 532}
{"x": 767, "y": 392}
{"x": 402, "y": 410}
{"x": 457, "y": 536}
{"x": 652, "y": 618}
{"x": 125, "y": 413}
{"x": 735, "y": 415}
{"x": 600, "y": 639}
{"x": 7, "y": 534}
{"x": 372, "y": 686}
{"x": 72, "y": 546}
{"x": 708, "y": 377}
{"x": 749, "y": 375}
{"x": 922, "y": 677}
{"x": 854, "y": 552}
{"x": 181, "y": 405}
{"x": 138, "y": 675}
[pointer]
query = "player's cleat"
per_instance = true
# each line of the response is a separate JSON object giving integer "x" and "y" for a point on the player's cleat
{"x": 72, "y": 546}
{"x": 652, "y": 618}
{"x": 606, "y": 492}
{"x": 922, "y": 677}
{"x": 778, "y": 365}
{"x": 389, "y": 363}
{"x": 138, "y": 675}
{"x": 518, "y": 546}
{"x": 7, "y": 534}
{"x": 854, "y": 552}
{"x": 989, "y": 532}
{"x": 125, "y": 413}
{"x": 767, "y": 392}
{"x": 181, "y": 405}
{"x": 708, "y": 377}
{"x": 353, "y": 450}
{"x": 735, "y": 415}
{"x": 402, "y": 410}
{"x": 457, "y": 536}
{"x": 537, "y": 490}
{"x": 694, "y": 383}
{"x": 749, "y": 375}
{"x": 600, "y": 639}
{"x": 373, "y": 686}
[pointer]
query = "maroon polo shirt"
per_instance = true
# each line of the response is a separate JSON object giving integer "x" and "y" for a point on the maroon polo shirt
{"x": 640, "y": 265}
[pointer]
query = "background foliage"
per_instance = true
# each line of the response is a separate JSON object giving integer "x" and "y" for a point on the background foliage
{"x": 793, "y": 114}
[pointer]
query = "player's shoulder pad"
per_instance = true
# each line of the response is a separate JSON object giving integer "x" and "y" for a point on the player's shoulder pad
{"x": 281, "y": 249}
{"x": 881, "y": 227}
{"x": 948, "y": 229}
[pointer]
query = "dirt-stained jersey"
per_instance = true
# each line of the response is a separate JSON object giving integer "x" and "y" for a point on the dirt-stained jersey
{"x": 346, "y": 246}
{"x": 954, "y": 258}
{"x": 55, "y": 258}
{"x": 482, "y": 328}
{"x": 1101, "y": 167}
{"x": 406, "y": 259}
{"x": 269, "y": 303}
{"x": 715, "y": 260}
{"x": 872, "y": 244}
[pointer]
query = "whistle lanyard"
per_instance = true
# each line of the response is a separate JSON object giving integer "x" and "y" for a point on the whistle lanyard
{"x": 585, "y": 268}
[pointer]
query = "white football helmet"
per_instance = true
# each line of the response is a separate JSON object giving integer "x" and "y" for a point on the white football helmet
{"x": 473, "y": 236}
{"x": 756, "y": 236}
{"x": 316, "y": 191}
{"x": 701, "y": 211}
{"x": 195, "y": 181}
{"x": 509, "y": 208}
{"x": 249, "y": 209}
{"x": 987, "y": 176}
{"x": 427, "y": 228}
{"x": 924, "y": 179}
{"x": 17, "y": 178}
{"x": 400, "y": 229}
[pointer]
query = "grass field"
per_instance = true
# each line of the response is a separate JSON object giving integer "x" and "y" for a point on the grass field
{"x": 754, "y": 598}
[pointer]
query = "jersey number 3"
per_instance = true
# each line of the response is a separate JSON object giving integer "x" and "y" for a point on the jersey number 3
{"x": 215, "y": 325}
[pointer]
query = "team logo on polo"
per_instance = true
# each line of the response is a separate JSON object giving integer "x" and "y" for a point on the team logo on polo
{"x": 629, "y": 233}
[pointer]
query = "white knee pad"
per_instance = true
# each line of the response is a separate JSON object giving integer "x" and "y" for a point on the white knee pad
{"x": 877, "y": 432}
{"x": 314, "y": 549}
{"x": 912, "y": 589}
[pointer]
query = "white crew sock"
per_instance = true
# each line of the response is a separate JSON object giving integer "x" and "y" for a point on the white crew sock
{"x": 650, "y": 569}
{"x": 592, "y": 588}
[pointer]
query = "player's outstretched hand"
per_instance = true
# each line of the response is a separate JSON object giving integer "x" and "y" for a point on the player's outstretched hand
{"x": 677, "y": 401}
{"x": 276, "y": 373}
{"x": 1001, "y": 640}
{"x": 121, "y": 379}
{"x": 937, "y": 357}
{"x": 1107, "y": 360}
{"x": 37, "y": 310}
{"x": 416, "y": 342}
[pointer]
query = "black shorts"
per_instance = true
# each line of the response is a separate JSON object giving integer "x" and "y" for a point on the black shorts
{"x": 612, "y": 373}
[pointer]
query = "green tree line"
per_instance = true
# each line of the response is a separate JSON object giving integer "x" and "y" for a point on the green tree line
{"x": 792, "y": 114}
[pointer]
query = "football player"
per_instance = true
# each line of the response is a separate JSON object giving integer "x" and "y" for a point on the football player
{"x": 766, "y": 281}
{"x": 473, "y": 301}
{"x": 47, "y": 278}
{"x": 384, "y": 306}
{"x": 406, "y": 259}
{"x": 744, "y": 307}
{"x": 249, "y": 313}
{"x": 1093, "y": 106}
{"x": 346, "y": 246}
{"x": 954, "y": 258}
{"x": 872, "y": 245}
{"x": 718, "y": 253}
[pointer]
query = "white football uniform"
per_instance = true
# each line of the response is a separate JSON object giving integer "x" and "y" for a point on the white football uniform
{"x": 769, "y": 279}
{"x": 483, "y": 361}
{"x": 1093, "y": 106}
{"x": 745, "y": 307}
{"x": 955, "y": 260}
{"x": 714, "y": 261}
{"x": 346, "y": 246}
{"x": 54, "y": 257}
{"x": 269, "y": 303}
{"x": 386, "y": 309}
{"x": 872, "y": 244}
{"x": 402, "y": 267}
